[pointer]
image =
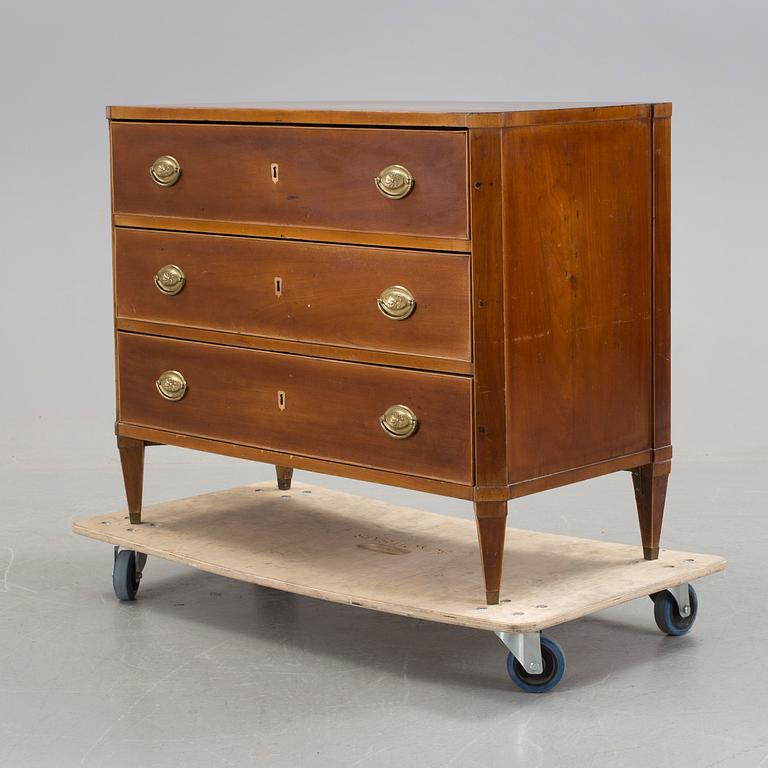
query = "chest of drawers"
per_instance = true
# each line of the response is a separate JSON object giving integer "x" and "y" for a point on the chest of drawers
{"x": 468, "y": 300}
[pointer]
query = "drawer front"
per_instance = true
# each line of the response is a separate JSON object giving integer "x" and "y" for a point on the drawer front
{"x": 309, "y": 177}
{"x": 330, "y": 294}
{"x": 295, "y": 404}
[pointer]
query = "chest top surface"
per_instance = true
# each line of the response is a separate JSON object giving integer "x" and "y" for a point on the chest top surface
{"x": 452, "y": 114}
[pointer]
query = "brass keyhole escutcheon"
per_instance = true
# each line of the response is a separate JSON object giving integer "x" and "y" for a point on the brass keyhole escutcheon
{"x": 394, "y": 181}
{"x": 170, "y": 279}
{"x": 171, "y": 385}
{"x": 396, "y": 302}
{"x": 165, "y": 171}
{"x": 399, "y": 421}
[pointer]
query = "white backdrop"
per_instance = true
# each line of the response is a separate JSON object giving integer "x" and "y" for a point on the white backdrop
{"x": 61, "y": 63}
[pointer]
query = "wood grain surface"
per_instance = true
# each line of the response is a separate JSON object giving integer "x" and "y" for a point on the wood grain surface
{"x": 292, "y": 232}
{"x": 308, "y": 463}
{"x": 454, "y": 114}
{"x": 488, "y": 328}
{"x": 662, "y": 426}
{"x": 304, "y": 292}
{"x": 578, "y": 294}
{"x": 536, "y": 241}
{"x": 329, "y": 409}
{"x": 312, "y": 349}
{"x": 366, "y": 553}
{"x": 325, "y": 176}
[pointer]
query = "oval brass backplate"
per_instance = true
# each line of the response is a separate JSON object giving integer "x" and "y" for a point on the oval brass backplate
{"x": 394, "y": 181}
{"x": 170, "y": 279}
{"x": 171, "y": 385}
{"x": 165, "y": 171}
{"x": 396, "y": 302}
{"x": 399, "y": 421}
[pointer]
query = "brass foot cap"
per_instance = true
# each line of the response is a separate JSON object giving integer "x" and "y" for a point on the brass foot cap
{"x": 651, "y": 553}
{"x": 284, "y": 485}
{"x": 135, "y": 519}
{"x": 492, "y": 598}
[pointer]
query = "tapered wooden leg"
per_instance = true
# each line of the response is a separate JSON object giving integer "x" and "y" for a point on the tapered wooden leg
{"x": 650, "y": 483}
{"x": 491, "y": 519}
{"x": 132, "y": 461}
{"x": 284, "y": 476}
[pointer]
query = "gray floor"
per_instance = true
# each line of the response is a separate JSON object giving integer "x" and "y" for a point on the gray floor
{"x": 205, "y": 671}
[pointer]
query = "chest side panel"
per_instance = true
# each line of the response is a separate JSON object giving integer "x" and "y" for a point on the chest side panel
{"x": 577, "y": 206}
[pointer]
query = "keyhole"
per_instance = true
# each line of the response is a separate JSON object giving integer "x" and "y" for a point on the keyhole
{"x": 281, "y": 399}
{"x": 278, "y": 287}
{"x": 275, "y": 173}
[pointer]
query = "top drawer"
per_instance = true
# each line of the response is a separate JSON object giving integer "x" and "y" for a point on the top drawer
{"x": 282, "y": 175}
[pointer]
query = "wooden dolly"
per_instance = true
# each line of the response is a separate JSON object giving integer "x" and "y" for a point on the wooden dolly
{"x": 362, "y": 552}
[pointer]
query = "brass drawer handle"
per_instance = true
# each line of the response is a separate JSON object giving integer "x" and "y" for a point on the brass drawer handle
{"x": 396, "y": 302}
{"x": 165, "y": 171}
{"x": 170, "y": 279}
{"x": 171, "y": 385}
{"x": 399, "y": 421}
{"x": 394, "y": 181}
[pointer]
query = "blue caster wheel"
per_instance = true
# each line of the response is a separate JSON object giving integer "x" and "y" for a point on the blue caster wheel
{"x": 125, "y": 575}
{"x": 667, "y": 615}
{"x": 553, "y": 659}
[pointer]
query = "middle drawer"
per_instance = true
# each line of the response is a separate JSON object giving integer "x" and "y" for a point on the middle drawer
{"x": 330, "y": 294}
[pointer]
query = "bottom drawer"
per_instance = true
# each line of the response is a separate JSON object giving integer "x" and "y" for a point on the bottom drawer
{"x": 321, "y": 408}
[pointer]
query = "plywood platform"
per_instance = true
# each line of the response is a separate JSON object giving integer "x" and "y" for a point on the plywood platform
{"x": 358, "y": 551}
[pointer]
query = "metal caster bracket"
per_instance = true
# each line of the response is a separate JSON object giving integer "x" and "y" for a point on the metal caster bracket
{"x": 141, "y": 561}
{"x": 682, "y": 598}
{"x": 526, "y": 648}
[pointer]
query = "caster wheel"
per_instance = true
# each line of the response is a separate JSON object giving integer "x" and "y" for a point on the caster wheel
{"x": 125, "y": 575}
{"x": 667, "y": 615}
{"x": 553, "y": 659}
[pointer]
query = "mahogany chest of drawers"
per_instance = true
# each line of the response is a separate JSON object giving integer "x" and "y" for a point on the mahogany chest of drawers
{"x": 468, "y": 300}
